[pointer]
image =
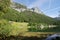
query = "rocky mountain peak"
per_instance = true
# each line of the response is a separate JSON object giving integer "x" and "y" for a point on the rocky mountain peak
{"x": 36, "y": 9}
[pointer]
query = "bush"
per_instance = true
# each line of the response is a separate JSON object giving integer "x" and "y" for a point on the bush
{"x": 7, "y": 29}
{"x": 1, "y": 14}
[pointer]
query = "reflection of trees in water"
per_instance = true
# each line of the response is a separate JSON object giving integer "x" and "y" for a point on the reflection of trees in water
{"x": 22, "y": 38}
{"x": 53, "y": 37}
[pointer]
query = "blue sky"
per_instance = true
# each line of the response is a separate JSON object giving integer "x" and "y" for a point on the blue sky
{"x": 49, "y": 7}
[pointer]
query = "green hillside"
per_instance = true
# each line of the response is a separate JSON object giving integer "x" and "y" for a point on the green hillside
{"x": 27, "y": 16}
{"x": 11, "y": 14}
{"x": 33, "y": 17}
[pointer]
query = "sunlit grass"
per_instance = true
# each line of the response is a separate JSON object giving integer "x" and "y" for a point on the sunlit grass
{"x": 19, "y": 27}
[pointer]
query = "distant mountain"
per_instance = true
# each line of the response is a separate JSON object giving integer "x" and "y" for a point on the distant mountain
{"x": 57, "y": 18}
{"x": 27, "y": 16}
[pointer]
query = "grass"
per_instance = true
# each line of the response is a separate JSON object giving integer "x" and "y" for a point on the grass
{"x": 18, "y": 27}
{"x": 22, "y": 26}
{"x": 20, "y": 30}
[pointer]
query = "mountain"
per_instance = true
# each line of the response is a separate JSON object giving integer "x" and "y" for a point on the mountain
{"x": 27, "y": 16}
{"x": 34, "y": 17}
{"x": 17, "y": 5}
{"x": 20, "y": 7}
{"x": 36, "y": 9}
{"x": 57, "y": 18}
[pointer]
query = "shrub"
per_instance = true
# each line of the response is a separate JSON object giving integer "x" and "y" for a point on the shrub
{"x": 7, "y": 29}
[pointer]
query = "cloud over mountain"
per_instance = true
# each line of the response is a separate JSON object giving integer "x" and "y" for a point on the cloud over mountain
{"x": 37, "y": 3}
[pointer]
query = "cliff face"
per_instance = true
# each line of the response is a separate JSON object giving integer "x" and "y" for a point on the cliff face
{"x": 36, "y": 9}
{"x": 21, "y": 8}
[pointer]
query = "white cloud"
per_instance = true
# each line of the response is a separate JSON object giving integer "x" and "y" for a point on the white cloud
{"x": 37, "y": 3}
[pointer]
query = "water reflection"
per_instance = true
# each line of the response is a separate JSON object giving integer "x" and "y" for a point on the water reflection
{"x": 54, "y": 37}
{"x": 42, "y": 37}
{"x": 22, "y": 38}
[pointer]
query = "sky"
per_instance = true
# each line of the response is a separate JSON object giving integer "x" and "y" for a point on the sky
{"x": 48, "y": 7}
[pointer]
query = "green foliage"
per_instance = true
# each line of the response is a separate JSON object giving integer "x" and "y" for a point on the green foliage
{"x": 1, "y": 14}
{"x": 54, "y": 29}
{"x": 5, "y": 27}
{"x": 10, "y": 28}
{"x": 58, "y": 22}
{"x": 11, "y": 15}
{"x": 27, "y": 16}
{"x": 4, "y": 4}
{"x": 33, "y": 17}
